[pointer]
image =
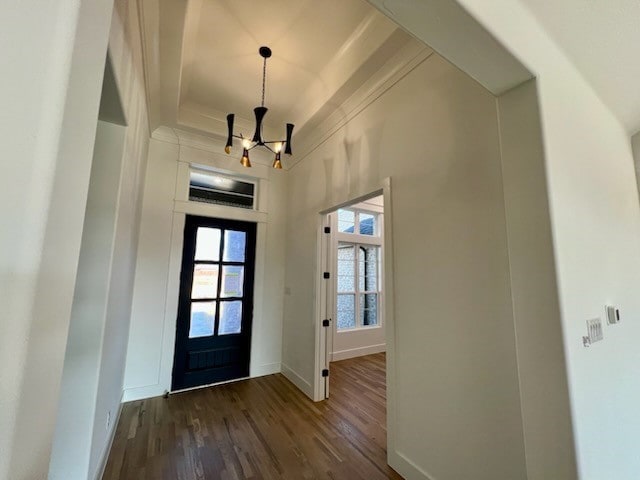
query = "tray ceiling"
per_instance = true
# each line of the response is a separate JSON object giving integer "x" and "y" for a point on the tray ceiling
{"x": 201, "y": 60}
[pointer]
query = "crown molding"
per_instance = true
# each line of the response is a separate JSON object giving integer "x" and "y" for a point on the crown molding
{"x": 407, "y": 59}
{"x": 305, "y": 142}
{"x": 211, "y": 146}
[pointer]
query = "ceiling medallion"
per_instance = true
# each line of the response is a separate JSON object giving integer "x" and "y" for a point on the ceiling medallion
{"x": 257, "y": 140}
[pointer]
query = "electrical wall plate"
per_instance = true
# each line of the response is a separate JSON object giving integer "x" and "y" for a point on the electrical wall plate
{"x": 594, "y": 332}
{"x": 613, "y": 315}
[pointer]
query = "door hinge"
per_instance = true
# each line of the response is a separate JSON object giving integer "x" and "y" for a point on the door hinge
{"x": 325, "y": 322}
{"x": 325, "y": 372}
{"x": 326, "y": 275}
{"x": 327, "y": 229}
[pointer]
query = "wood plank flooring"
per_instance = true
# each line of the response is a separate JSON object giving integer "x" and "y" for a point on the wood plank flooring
{"x": 263, "y": 428}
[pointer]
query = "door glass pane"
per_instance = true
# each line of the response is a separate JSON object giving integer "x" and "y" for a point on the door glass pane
{"x": 205, "y": 281}
{"x": 203, "y": 318}
{"x": 346, "y": 311}
{"x": 230, "y": 317}
{"x": 346, "y": 221}
{"x": 367, "y": 224}
{"x": 368, "y": 268}
{"x": 368, "y": 309}
{"x": 208, "y": 244}
{"x": 234, "y": 246}
{"x": 232, "y": 279}
{"x": 346, "y": 270}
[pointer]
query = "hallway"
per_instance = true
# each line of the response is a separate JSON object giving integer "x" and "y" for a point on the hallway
{"x": 259, "y": 428}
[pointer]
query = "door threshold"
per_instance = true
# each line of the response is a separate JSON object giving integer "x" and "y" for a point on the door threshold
{"x": 199, "y": 387}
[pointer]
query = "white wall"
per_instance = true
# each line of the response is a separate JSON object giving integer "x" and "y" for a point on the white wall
{"x": 454, "y": 407}
{"x": 543, "y": 382}
{"x": 74, "y": 426}
{"x": 595, "y": 222}
{"x": 54, "y": 53}
{"x": 155, "y": 301}
{"x": 95, "y": 354}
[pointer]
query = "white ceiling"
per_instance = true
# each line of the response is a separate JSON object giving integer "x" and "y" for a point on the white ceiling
{"x": 602, "y": 39}
{"x": 226, "y": 71}
{"x": 202, "y": 62}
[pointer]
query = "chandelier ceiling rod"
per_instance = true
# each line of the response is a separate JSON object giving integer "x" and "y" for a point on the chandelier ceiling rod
{"x": 257, "y": 140}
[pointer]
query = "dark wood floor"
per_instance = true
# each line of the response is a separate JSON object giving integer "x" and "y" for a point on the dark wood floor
{"x": 262, "y": 428}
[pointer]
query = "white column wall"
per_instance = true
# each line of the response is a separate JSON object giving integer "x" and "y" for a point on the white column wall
{"x": 99, "y": 328}
{"x": 544, "y": 390}
{"x": 454, "y": 407}
{"x": 595, "y": 216}
{"x": 54, "y": 55}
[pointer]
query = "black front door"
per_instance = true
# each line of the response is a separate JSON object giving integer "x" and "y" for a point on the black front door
{"x": 215, "y": 308}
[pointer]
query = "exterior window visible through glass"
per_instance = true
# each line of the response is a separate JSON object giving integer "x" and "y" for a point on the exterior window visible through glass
{"x": 218, "y": 253}
{"x": 234, "y": 246}
{"x": 232, "y": 279}
{"x": 357, "y": 222}
{"x": 205, "y": 281}
{"x": 230, "y": 317}
{"x": 203, "y": 319}
{"x": 346, "y": 221}
{"x": 358, "y": 272}
{"x": 346, "y": 311}
{"x": 367, "y": 223}
{"x": 208, "y": 244}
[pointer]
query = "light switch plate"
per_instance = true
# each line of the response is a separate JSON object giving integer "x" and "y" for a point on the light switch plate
{"x": 594, "y": 332}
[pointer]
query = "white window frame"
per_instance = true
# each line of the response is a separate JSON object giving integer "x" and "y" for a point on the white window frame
{"x": 357, "y": 240}
{"x": 183, "y": 192}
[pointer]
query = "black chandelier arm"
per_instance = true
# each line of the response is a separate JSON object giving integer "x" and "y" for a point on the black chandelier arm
{"x": 260, "y": 112}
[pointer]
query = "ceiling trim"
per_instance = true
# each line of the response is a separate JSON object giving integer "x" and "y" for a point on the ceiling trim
{"x": 469, "y": 46}
{"x": 407, "y": 59}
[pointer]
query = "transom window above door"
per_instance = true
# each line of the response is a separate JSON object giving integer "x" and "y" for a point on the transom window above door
{"x": 358, "y": 222}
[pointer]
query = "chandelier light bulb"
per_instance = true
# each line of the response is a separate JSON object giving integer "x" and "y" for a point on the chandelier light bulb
{"x": 246, "y": 143}
{"x": 278, "y": 147}
{"x": 245, "y": 161}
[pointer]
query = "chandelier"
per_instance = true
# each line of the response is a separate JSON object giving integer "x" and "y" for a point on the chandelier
{"x": 274, "y": 146}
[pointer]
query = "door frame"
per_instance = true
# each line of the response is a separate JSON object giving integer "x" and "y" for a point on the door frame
{"x": 320, "y": 385}
{"x": 193, "y": 223}
{"x": 180, "y": 211}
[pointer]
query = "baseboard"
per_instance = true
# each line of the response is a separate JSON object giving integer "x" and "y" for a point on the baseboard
{"x": 406, "y": 468}
{"x": 358, "y": 352}
{"x": 157, "y": 390}
{"x": 266, "y": 369}
{"x": 141, "y": 393}
{"x": 105, "y": 454}
{"x": 298, "y": 381}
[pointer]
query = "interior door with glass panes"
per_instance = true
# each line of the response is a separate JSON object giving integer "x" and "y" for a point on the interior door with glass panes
{"x": 215, "y": 308}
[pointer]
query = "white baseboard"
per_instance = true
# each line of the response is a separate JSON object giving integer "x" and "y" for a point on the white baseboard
{"x": 140, "y": 393}
{"x": 157, "y": 390}
{"x": 107, "y": 450}
{"x": 406, "y": 468}
{"x": 266, "y": 369}
{"x": 358, "y": 352}
{"x": 298, "y": 381}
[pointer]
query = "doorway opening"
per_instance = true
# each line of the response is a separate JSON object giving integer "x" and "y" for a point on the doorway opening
{"x": 215, "y": 306}
{"x": 353, "y": 297}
